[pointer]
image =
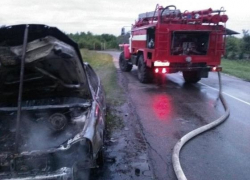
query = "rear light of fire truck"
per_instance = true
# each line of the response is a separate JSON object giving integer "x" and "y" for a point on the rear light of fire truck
{"x": 161, "y": 64}
{"x": 161, "y": 70}
{"x": 216, "y": 69}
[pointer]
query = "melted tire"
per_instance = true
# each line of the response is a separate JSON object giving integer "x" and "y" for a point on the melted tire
{"x": 145, "y": 74}
{"x": 124, "y": 64}
{"x": 191, "y": 76}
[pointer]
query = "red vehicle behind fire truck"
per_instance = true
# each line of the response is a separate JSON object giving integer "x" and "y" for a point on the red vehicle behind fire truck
{"x": 167, "y": 41}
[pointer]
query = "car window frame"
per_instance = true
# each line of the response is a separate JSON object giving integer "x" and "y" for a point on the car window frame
{"x": 94, "y": 89}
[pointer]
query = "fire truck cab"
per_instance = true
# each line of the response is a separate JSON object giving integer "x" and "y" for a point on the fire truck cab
{"x": 168, "y": 41}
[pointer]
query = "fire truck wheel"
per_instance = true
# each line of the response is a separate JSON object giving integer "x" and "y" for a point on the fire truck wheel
{"x": 124, "y": 64}
{"x": 191, "y": 76}
{"x": 145, "y": 74}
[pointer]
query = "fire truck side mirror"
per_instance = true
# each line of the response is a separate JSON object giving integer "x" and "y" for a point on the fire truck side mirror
{"x": 123, "y": 31}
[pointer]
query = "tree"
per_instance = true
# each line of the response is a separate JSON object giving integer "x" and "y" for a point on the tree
{"x": 90, "y": 41}
{"x": 246, "y": 41}
{"x": 232, "y": 44}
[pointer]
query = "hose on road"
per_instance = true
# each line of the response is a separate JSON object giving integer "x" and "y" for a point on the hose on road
{"x": 177, "y": 148}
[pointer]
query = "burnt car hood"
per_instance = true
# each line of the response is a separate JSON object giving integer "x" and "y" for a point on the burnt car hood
{"x": 56, "y": 98}
{"x": 59, "y": 126}
{"x": 53, "y": 65}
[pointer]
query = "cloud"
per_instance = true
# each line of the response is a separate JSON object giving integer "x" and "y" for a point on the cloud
{"x": 105, "y": 16}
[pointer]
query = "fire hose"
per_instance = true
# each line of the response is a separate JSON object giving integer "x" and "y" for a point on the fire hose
{"x": 177, "y": 148}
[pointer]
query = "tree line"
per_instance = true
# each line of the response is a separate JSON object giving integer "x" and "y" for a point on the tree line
{"x": 95, "y": 42}
{"x": 238, "y": 48}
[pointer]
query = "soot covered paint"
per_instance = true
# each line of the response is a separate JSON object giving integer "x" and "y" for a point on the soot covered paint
{"x": 60, "y": 134}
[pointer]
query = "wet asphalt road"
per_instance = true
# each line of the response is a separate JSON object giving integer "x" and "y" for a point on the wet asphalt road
{"x": 169, "y": 111}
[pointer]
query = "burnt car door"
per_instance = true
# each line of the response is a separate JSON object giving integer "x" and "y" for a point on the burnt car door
{"x": 98, "y": 96}
{"x": 98, "y": 91}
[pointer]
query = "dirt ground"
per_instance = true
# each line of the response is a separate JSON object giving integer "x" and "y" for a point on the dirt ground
{"x": 125, "y": 147}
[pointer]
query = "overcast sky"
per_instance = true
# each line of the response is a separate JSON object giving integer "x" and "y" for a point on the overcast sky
{"x": 108, "y": 16}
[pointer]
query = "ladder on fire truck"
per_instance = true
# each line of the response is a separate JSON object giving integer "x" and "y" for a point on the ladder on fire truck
{"x": 220, "y": 44}
{"x": 171, "y": 15}
{"x": 163, "y": 39}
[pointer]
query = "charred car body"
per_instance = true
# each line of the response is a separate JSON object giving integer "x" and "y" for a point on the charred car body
{"x": 54, "y": 127}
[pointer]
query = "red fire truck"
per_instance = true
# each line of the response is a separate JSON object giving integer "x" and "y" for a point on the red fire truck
{"x": 168, "y": 41}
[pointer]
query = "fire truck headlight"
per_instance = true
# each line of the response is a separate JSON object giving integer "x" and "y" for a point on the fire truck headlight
{"x": 160, "y": 63}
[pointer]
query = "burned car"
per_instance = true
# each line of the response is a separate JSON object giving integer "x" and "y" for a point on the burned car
{"x": 52, "y": 106}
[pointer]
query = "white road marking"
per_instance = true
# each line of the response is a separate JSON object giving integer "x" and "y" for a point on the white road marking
{"x": 226, "y": 94}
{"x": 245, "y": 102}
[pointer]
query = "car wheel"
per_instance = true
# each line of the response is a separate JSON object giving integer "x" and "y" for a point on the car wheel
{"x": 145, "y": 75}
{"x": 124, "y": 64}
{"x": 191, "y": 76}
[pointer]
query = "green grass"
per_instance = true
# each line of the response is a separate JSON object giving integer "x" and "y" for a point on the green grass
{"x": 105, "y": 69}
{"x": 115, "y": 96}
{"x": 238, "y": 68}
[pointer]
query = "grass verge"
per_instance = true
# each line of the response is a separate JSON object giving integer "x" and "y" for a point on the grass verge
{"x": 104, "y": 67}
{"x": 238, "y": 68}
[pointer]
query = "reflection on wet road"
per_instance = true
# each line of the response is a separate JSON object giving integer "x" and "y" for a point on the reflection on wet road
{"x": 169, "y": 111}
{"x": 161, "y": 106}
